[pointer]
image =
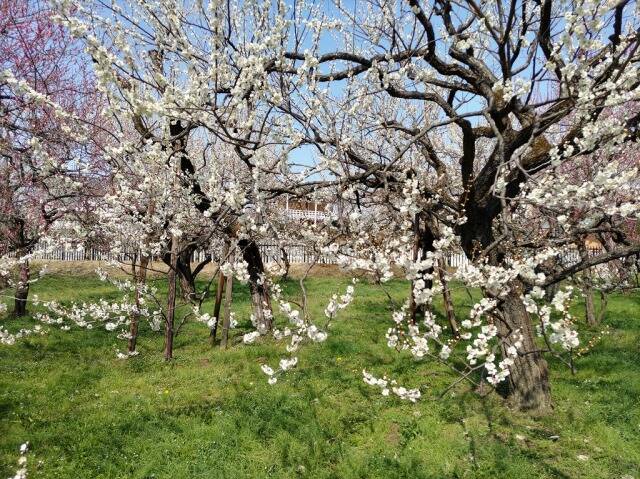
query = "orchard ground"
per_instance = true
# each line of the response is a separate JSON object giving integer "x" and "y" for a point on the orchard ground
{"x": 211, "y": 414}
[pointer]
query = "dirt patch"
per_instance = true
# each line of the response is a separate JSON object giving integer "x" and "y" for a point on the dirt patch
{"x": 157, "y": 269}
{"x": 393, "y": 436}
{"x": 318, "y": 270}
{"x": 88, "y": 268}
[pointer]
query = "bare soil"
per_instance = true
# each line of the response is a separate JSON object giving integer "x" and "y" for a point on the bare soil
{"x": 88, "y": 268}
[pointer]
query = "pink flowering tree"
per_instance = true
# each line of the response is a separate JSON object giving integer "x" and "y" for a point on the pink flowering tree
{"x": 46, "y": 108}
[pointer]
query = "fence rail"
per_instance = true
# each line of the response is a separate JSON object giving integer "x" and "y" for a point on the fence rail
{"x": 271, "y": 253}
{"x": 306, "y": 214}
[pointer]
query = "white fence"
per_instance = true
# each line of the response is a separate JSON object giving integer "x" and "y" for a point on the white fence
{"x": 270, "y": 253}
{"x": 296, "y": 253}
{"x": 306, "y": 215}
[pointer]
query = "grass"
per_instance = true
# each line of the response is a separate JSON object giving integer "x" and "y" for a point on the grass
{"x": 210, "y": 413}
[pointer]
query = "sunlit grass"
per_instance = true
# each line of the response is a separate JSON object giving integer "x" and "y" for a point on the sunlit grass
{"x": 210, "y": 413}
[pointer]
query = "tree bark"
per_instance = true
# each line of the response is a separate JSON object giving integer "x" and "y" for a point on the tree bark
{"x": 287, "y": 263}
{"x": 22, "y": 289}
{"x": 260, "y": 300}
{"x": 216, "y": 308}
{"x": 413, "y": 309}
{"x": 550, "y": 291}
{"x": 140, "y": 278}
{"x": 185, "y": 274}
{"x": 228, "y": 296}
{"x": 171, "y": 303}
{"x": 528, "y": 386}
{"x": 219, "y": 290}
{"x": 587, "y": 291}
{"x": 448, "y": 302}
{"x": 589, "y": 306}
{"x": 187, "y": 286}
{"x": 603, "y": 306}
{"x": 528, "y": 381}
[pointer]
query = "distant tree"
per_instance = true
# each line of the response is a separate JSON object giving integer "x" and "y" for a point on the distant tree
{"x": 47, "y": 107}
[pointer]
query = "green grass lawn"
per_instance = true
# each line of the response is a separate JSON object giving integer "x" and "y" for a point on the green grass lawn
{"x": 211, "y": 414}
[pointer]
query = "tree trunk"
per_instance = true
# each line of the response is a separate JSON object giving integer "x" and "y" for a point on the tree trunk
{"x": 413, "y": 309}
{"x": 187, "y": 287}
{"x": 171, "y": 303}
{"x": 448, "y": 302}
{"x": 187, "y": 279}
{"x": 587, "y": 291}
{"x": 216, "y": 308}
{"x": 228, "y": 296}
{"x": 603, "y": 306}
{"x": 528, "y": 381}
{"x": 287, "y": 264}
{"x": 260, "y": 299}
{"x": 184, "y": 273}
{"x": 589, "y": 306}
{"x": 550, "y": 291}
{"x": 529, "y": 376}
{"x": 22, "y": 289}
{"x": 140, "y": 279}
{"x": 219, "y": 290}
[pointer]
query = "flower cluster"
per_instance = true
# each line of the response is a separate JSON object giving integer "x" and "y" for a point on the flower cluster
{"x": 238, "y": 268}
{"x": 561, "y": 331}
{"x": 300, "y": 328}
{"x": 113, "y": 316}
{"x": 8, "y": 338}
{"x": 387, "y": 385}
{"x": 21, "y": 473}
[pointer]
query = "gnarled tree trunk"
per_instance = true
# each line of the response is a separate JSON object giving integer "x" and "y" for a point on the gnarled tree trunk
{"x": 528, "y": 381}
{"x": 603, "y": 306}
{"x": 187, "y": 283}
{"x": 587, "y": 292}
{"x": 260, "y": 299}
{"x": 529, "y": 375}
{"x": 285, "y": 260}
{"x": 185, "y": 274}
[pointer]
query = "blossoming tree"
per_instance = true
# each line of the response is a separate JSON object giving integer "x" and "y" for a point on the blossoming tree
{"x": 457, "y": 117}
{"x": 47, "y": 109}
{"x": 517, "y": 90}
